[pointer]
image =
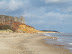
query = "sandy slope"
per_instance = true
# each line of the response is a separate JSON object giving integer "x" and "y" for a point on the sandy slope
{"x": 20, "y": 43}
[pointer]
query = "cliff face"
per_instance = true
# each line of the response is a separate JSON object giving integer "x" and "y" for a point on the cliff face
{"x": 6, "y": 21}
{"x": 23, "y": 28}
{"x": 16, "y": 24}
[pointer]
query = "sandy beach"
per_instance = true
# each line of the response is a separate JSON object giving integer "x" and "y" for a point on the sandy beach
{"x": 22, "y": 43}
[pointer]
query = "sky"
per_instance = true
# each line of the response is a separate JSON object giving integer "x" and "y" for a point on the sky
{"x": 41, "y": 14}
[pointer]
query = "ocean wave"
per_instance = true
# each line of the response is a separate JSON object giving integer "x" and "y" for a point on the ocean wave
{"x": 47, "y": 34}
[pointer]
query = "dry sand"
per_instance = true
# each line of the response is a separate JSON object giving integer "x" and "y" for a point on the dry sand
{"x": 22, "y": 43}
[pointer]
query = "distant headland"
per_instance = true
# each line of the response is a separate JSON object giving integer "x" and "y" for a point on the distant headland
{"x": 49, "y": 30}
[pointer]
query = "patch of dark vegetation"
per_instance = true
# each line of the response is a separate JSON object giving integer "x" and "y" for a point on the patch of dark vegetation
{"x": 49, "y": 30}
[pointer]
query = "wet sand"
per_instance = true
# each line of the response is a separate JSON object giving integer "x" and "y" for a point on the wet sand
{"x": 22, "y": 43}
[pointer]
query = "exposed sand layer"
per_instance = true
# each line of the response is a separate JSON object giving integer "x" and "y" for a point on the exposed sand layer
{"x": 22, "y": 43}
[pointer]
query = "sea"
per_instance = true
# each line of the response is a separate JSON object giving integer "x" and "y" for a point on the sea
{"x": 64, "y": 39}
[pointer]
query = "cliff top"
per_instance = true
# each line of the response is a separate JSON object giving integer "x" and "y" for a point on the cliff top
{"x": 11, "y": 19}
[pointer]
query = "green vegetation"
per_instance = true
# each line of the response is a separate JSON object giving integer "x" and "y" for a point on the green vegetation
{"x": 8, "y": 30}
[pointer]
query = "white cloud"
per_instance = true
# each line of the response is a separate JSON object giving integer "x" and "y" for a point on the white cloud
{"x": 2, "y": 4}
{"x": 50, "y": 1}
{"x": 50, "y": 18}
{"x": 66, "y": 10}
{"x": 11, "y": 5}
{"x": 34, "y": 12}
{"x": 56, "y": 1}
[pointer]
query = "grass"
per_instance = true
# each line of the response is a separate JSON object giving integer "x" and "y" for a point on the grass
{"x": 8, "y": 30}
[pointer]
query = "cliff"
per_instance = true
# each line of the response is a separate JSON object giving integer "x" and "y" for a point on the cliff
{"x": 23, "y": 28}
{"x": 16, "y": 24}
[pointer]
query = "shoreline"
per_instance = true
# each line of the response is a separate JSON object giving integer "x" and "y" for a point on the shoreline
{"x": 23, "y": 43}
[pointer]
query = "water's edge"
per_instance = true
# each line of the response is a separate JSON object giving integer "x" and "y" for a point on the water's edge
{"x": 63, "y": 39}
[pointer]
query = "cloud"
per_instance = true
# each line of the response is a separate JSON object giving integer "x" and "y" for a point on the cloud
{"x": 2, "y": 4}
{"x": 57, "y": 1}
{"x": 11, "y": 5}
{"x": 51, "y": 1}
{"x": 43, "y": 17}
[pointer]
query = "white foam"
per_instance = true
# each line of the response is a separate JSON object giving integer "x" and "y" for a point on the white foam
{"x": 47, "y": 34}
{"x": 59, "y": 39}
{"x": 70, "y": 43}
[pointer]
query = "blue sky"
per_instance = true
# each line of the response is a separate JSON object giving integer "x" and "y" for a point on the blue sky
{"x": 41, "y": 14}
